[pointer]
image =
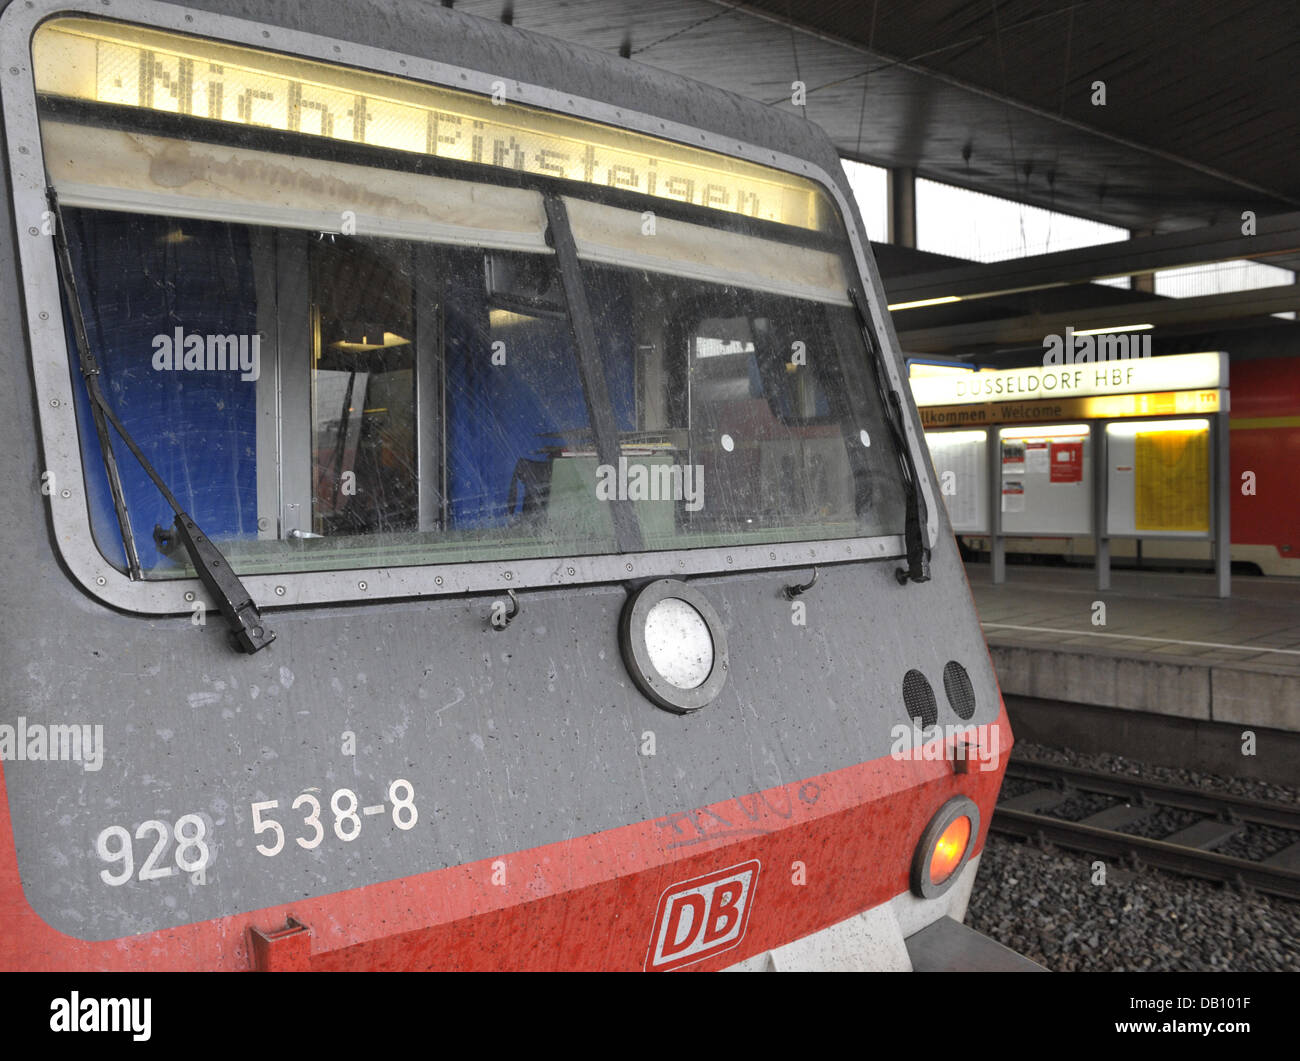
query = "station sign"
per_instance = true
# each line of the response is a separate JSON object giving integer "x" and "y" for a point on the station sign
{"x": 1101, "y": 407}
{"x": 1177, "y": 384}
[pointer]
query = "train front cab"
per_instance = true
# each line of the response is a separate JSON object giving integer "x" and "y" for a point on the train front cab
{"x": 600, "y": 609}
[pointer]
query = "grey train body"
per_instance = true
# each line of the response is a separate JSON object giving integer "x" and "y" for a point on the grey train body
{"x": 512, "y": 738}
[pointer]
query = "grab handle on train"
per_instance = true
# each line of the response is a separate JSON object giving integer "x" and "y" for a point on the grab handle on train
{"x": 500, "y": 618}
{"x": 790, "y": 592}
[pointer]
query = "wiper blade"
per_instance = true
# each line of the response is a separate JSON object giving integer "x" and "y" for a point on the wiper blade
{"x": 918, "y": 556}
{"x": 249, "y": 632}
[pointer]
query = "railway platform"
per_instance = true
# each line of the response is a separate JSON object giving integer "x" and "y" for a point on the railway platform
{"x": 1156, "y": 664}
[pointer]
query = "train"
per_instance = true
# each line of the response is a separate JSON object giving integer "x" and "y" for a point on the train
{"x": 466, "y": 512}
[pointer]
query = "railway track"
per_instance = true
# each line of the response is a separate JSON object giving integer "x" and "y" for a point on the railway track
{"x": 1188, "y": 850}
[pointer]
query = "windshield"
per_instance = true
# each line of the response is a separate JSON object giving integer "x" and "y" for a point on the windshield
{"x": 341, "y": 358}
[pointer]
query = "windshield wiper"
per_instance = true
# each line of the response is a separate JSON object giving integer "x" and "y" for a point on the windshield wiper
{"x": 248, "y": 630}
{"x": 918, "y": 556}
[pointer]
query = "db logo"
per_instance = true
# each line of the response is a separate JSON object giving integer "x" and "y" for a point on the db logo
{"x": 702, "y": 917}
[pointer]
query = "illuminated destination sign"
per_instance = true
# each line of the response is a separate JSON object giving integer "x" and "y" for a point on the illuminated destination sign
{"x": 1176, "y": 372}
{"x": 104, "y": 62}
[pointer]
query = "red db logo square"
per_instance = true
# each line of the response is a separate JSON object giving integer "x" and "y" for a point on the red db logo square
{"x": 701, "y": 917}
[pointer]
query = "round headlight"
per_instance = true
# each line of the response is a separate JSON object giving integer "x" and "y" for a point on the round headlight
{"x": 945, "y": 846}
{"x": 679, "y": 643}
{"x": 674, "y": 645}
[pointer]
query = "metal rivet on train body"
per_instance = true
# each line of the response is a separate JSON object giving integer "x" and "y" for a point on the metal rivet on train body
{"x": 628, "y": 566}
{"x": 189, "y": 595}
{"x": 570, "y": 570}
{"x": 101, "y": 581}
{"x": 32, "y": 231}
{"x": 65, "y": 493}
{"x": 279, "y": 591}
{"x": 13, "y": 70}
{"x": 438, "y": 580}
{"x": 361, "y": 585}
{"x": 44, "y": 316}
{"x": 22, "y": 150}
{"x": 508, "y": 576}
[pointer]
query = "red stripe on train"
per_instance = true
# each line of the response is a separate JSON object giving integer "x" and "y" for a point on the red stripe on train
{"x": 586, "y": 903}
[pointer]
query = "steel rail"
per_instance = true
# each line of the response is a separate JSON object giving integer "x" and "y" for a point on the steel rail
{"x": 1192, "y": 861}
{"x": 1160, "y": 793}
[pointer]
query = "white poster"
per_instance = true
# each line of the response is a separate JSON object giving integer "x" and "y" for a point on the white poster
{"x": 1036, "y": 461}
{"x": 1013, "y": 457}
{"x": 1013, "y": 495}
{"x": 960, "y": 465}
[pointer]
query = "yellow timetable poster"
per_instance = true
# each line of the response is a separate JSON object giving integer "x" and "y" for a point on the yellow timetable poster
{"x": 1172, "y": 480}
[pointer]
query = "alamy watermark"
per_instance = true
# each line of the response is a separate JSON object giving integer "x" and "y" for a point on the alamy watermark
{"x": 1086, "y": 349}
{"x": 981, "y": 744}
{"x": 37, "y": 742}
{"x": 208, "y": 353}
{"x": 77, "y": 1014}
{"x": 651, "y": 482}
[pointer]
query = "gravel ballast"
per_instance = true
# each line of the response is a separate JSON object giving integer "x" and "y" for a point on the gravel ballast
{"x": 1044, "y": 903}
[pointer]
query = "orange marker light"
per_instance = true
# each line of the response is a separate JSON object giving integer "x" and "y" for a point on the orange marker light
{"x": 949, "y": 850}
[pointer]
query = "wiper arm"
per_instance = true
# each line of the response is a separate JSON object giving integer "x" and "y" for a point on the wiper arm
{"x": 214, "y": 570}
{"x": 918, "y": 556}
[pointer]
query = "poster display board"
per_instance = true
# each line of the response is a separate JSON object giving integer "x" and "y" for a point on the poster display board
{"x": 1158, "y": 478}
{"x": 1046, "y": 479}
{"x": 960, "y": 460}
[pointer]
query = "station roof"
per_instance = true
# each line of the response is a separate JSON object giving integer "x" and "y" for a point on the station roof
{"x": 1202, "y": 112}
{"x": 1201, "y": 118}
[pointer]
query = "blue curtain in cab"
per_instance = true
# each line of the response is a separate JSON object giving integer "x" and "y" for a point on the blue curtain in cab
{"x": 498, "y": 415}
{"x": 139, "y": 277}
